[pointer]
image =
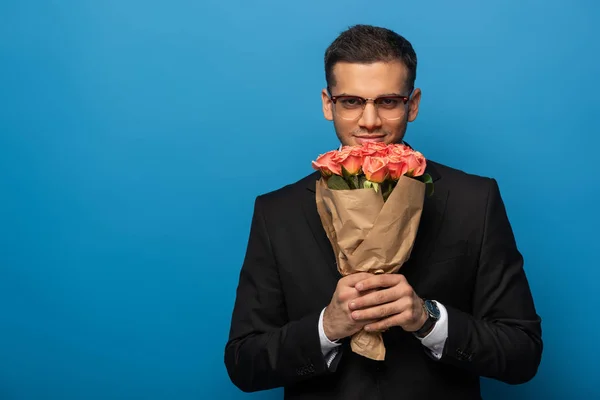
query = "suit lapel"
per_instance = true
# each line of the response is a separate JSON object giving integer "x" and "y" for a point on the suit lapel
{"x": 314, "y": 221}
{"x": 434, "y": 209}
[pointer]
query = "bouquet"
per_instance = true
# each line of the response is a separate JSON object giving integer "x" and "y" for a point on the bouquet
{"x": 370, "y": 199}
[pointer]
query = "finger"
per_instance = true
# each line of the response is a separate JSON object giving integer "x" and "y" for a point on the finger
{"x": 405, "y": 319}
{"x": 386, "y": 323}
{"x": 352, "y": 279}
{"x": 382, "y": 296}
{"x": 379, "y": 281}
{"x": 378, "y": 312}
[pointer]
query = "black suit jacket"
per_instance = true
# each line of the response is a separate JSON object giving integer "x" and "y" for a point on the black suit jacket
{"x": 464, "y": 256}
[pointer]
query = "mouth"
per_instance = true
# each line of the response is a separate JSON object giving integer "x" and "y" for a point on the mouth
{"x": 370, "y": 139}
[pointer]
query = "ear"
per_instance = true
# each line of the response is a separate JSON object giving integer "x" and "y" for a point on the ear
{"x": 327, "y": 105}
{"x": 413, "y": 105}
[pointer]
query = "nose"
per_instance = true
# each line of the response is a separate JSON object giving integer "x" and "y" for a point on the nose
{"x": 369, "y": 119}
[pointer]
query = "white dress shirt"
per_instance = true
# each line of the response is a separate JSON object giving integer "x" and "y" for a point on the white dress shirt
{"x": 434, "y": 341}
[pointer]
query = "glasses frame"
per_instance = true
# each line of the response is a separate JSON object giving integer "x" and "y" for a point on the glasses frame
{"x": 405, "y": 100}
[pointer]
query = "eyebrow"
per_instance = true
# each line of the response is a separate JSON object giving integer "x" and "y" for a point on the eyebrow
{"x": 379, "y": 95}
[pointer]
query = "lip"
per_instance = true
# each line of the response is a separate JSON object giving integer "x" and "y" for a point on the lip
{"x": 370, "y": 139}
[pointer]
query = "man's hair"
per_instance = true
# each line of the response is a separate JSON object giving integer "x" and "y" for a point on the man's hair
{"x": 367, "y": 44}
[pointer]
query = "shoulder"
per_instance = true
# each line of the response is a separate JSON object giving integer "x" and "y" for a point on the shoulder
{"x": 291, "y": 193}
{"x": 467, "y": 195}
{"x": 456, "y": 179}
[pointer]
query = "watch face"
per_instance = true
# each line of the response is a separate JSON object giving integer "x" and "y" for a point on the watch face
{"x": 432, "y": 308}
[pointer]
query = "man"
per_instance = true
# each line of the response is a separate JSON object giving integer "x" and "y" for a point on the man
{"x": 459, "y": 309}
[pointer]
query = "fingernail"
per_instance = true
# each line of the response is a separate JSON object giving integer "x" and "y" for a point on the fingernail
{"x": 367, "y": 328}
{"x": 355, "y": 315}
{"x": 359, "y": 286}
{"x": 352, "y": 305}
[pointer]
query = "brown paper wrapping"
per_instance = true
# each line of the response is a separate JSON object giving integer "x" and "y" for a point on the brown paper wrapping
{"x": 370, "y": 235}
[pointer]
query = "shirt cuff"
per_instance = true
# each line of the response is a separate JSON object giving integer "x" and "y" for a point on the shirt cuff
{"x": 326, "y": 344}
{"x": 436, "y": 339}
{"x": 328, "y": 348}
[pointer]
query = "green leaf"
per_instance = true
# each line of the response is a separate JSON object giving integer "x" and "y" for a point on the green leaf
{"x": 428, "y": 184}
{"x": 351, "y": 179}
{"x": 374, "y": 185}
{"x": 361, "y": 181}
{"x": 336, "y": 182}
{"x": 387, "y": 191}
{"x": 429, "y": 189}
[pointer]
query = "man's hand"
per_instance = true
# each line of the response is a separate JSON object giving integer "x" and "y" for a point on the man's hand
{"x": 337, "y": 322}
{"x": 390, "y": 300}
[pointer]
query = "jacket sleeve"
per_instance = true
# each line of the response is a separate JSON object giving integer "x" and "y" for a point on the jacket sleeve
{"x": 265, "y": 350}
{"x": 502, "y": 338}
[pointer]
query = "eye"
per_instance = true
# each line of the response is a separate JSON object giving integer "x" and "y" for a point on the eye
{"x": 389, "y": 102}
{"x": 350, "y": 102}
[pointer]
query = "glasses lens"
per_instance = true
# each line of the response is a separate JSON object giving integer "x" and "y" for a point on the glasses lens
{"x": 349, "y": 107}
{"x": 390, "y": 107}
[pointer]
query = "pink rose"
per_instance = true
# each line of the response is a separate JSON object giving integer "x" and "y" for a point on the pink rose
{"x": 415, "y": 160}
{"x": 351, "y": 158}
{"x": 397, "y": 166}
{"x": 375, "y": 169}
{"x": 416, "y": 163}
{"x": 399, "y": 149}
{"x": 377, "y": 149}
{"x": 327, "y": 165}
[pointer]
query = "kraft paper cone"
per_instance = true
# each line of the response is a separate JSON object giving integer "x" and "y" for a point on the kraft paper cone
{"x": 370, "y": 235}
{"x": 368, "y": 344}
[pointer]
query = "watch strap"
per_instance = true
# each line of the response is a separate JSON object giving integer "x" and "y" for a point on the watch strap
{"x": 428, "y": 325}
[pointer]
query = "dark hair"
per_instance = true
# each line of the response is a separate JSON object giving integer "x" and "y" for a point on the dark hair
{"x": 367, "y": 44}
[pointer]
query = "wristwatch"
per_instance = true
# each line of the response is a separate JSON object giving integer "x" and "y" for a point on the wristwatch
{"x": 433, "y": 315}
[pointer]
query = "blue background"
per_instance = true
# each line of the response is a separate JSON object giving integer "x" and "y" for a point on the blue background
{"x": 134, "y": 136}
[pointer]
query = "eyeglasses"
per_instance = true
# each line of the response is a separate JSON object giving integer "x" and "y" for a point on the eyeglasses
{"x": 352, "y": 107}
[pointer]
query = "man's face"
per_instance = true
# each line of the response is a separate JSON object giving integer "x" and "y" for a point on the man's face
{"x": 370, "y": 81}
